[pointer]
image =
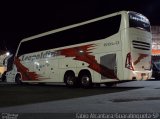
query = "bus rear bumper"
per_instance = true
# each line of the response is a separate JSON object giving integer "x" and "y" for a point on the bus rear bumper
{"x": 141, "y": 75}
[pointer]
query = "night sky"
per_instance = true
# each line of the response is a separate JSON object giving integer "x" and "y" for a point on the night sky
{"x": 21, "y": 19}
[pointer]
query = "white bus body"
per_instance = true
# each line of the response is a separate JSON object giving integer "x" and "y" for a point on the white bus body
{"x": 115, "y": 47}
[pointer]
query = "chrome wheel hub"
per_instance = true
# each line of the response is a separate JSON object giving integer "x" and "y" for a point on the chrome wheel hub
{"x": 85, "y": 80}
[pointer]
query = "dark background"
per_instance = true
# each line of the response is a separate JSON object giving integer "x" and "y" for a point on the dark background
{"x": 21, "y": 19}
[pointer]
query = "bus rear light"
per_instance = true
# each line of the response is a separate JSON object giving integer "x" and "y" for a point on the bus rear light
{"x": 129, "y": 63}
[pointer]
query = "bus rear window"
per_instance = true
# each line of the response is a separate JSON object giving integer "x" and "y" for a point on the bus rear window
{"x": 139, "y": 21}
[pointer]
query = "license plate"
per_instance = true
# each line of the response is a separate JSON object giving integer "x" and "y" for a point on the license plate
{"x": 143, "y": 75}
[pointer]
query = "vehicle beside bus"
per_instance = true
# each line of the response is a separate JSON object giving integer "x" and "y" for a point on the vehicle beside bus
{"x": 4, "y": 55}
{"x": 2, "y": 72}
{"x": 155, "y": 65}
{"x": 111, "y": 48}
{"x": 156, "y": 70}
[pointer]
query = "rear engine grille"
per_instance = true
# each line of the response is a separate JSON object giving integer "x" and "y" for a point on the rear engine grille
{"x": 141, "y": 45}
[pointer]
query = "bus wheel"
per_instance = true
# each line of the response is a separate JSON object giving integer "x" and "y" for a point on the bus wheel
{"x": 4, "y": 77}
{"x": 18, "y": 79}
{"x": 86, "y": 80}
{"x": 110, "y": 84}
{"x": 70, "y": 79}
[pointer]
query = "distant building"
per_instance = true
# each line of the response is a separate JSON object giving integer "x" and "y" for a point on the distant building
{"x": 155, "y": 40}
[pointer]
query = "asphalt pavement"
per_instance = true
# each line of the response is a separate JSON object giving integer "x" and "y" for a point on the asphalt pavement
{"x": 141, "y": 100}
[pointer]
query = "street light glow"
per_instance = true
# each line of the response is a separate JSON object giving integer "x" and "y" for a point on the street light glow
{"x": 7, "y": 53}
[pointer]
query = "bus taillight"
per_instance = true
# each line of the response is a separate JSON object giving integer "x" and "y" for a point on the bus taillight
{"x": 128, "y": 63}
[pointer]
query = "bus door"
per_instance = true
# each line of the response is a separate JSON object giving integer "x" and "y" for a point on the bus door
{"x": 54, "y": 70}
{"x": 41, "y": 68}
{"x": 47, "y": 69}
{"x": 30, "y": 67}
{"x": 112, "y": 64}
{"x": 109, "y": 64}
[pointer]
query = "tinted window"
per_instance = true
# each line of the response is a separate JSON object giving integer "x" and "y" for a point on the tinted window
{"x": 85, "y": 33}
{"x": 139, "y": 21}
{"x": 10, "y": 63}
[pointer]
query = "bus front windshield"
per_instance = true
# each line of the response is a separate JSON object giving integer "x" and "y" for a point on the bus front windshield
{"x": 138, "y": 21}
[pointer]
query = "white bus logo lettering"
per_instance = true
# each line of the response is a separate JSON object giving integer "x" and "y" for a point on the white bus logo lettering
{"x": 40, "y": 56}
{"x": 111, "y": 43}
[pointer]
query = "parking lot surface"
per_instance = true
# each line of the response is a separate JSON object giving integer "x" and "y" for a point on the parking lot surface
{"x": 130, "y": 97}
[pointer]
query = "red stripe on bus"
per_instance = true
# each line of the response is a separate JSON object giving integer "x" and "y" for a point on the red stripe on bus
{"x": 83, "y": 53}
{"x": 141, "y": 56}
{"x": 26, "y": 75}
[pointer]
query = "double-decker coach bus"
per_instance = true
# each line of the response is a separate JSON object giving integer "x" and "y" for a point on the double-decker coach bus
{"x": 111, "y": 48}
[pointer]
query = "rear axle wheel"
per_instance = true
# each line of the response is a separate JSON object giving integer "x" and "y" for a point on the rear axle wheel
{"x": 85, "y": 80}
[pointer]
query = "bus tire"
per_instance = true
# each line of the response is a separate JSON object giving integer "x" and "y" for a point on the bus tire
{"x": 4, "y": 77}
{"x": 70, "y": 79}
{"x": 110, "y": 84}
{"x": 18, "y": 79}
{"x": 86, "y": 80}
